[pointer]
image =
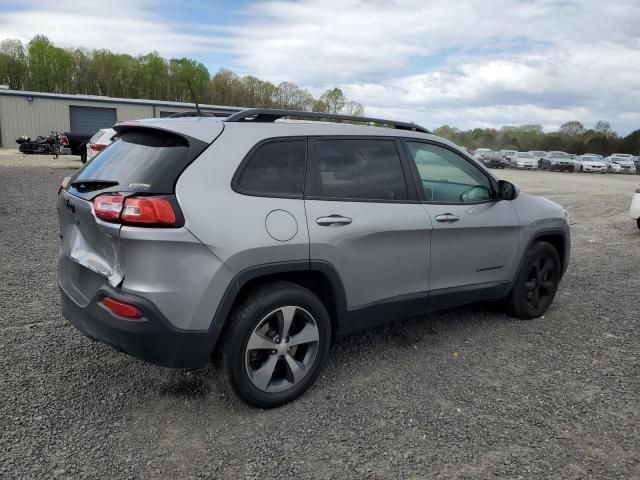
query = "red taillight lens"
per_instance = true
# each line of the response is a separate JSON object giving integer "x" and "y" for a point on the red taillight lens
{"x": 108, "y": 207}
{"x": 121, "y": 309}
{"x": 63, "y": 184}
{"x": 143, "y": 211}
{"x": 65, "y": 140}
{"x": 148, "y": 210}
{"x": 97, "y": 146}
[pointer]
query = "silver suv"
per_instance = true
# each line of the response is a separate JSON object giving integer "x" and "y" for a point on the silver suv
{"x": 256, "y": 241}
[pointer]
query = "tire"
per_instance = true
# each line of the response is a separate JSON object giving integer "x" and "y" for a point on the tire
{"x": 83, "y": 157}
{"x": 261, "y": 319}
{"x": 638, "y": 222}
{"x": 537, "y": 283}
{"x": 581, "y": 169}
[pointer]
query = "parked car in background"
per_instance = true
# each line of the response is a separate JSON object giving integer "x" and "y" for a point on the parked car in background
{"x": 480, "y": 152}
{"x": 524, "y": 160}
{"x": 634, "y": 210}
{"x": 507, "y": 154}
{"x": 189, "y": 238}
{"x": 600, "y": 157}
{"x": 590, "y": 163}
{"x": 556, "y": 160}
{"x": 100, "y": 140}
{"x": 493, "y": 159}
{"x": 538, "y": 155}
{"x": 620, "y": 163}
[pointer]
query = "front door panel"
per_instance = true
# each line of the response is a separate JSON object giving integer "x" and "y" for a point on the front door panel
{"x": 478, "y": 248}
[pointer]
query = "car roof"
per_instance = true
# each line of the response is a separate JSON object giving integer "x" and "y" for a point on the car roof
{"x": 208, "y": 128}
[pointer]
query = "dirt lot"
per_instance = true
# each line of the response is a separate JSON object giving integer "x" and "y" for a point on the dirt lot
{"x": 468, "y": 393}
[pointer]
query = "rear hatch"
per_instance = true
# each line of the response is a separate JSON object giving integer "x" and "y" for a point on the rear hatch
{"x": 143, "y": 164}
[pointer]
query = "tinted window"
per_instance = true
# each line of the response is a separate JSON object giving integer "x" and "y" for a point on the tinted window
{"x": 275, "y": 168}
{"x": 447, "y": 177}
{"x": 142, "y": 159}
{"x": 358, "y": 169}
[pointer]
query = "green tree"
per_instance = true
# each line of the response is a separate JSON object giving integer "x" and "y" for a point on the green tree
{"x": 334, "y": 100}
{"x": 13, "y": 64}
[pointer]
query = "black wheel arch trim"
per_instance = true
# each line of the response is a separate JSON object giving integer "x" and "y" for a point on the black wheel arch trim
{"x": 564, "y": 256}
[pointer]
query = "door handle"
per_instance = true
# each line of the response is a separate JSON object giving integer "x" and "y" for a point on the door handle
{"x": 447, "y": 217}
{"x": 333, "y": 220}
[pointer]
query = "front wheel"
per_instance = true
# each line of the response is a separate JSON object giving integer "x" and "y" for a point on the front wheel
{"x": 537, "y": 283}
{"x": 278, "y": 341}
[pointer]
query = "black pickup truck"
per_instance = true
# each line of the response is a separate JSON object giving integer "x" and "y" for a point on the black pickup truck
{"x": 78, "y": 144}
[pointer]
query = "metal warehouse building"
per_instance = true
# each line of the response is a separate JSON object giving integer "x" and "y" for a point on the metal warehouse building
{"x": 36, "y": 113}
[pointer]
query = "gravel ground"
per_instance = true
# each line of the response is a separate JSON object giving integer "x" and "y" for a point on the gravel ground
{"x": 468, "y": 393}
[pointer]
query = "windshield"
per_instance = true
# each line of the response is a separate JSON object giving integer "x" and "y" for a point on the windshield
{"x": 589, "y": 158}
{"x": 559, "y": 155}
{"x": 524, "y": 155}
{"x": 538, "y": 153}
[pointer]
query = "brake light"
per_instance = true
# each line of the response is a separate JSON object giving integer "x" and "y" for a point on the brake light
{"x": 121, "y": 308}
{"x": 65, "y": 140}
{"x": 108, "y": 207}
{"x": 63, "y": 184}
{"x": 97, "y": 146}
{"x": 143, "y": 211}
{"x": 148, "y": 210}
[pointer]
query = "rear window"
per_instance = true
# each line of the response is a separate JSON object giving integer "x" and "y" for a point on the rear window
{"x": 140, "y": 160}
{"x": 96, "y": 136}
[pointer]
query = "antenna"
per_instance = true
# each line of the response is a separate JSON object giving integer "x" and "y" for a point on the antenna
{"x": 193, "y": 96}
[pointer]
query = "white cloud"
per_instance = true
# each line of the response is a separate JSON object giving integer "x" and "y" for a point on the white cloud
{"x": 467, "y": 63}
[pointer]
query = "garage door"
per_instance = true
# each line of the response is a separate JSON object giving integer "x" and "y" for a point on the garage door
{"x": 89, "y": 120}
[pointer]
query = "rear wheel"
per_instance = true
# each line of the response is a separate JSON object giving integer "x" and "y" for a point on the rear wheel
{"x": 537, "y": 283}
{"x": 279, "y": 339}
{"x": 83, "y": 157}
{"x": 638, "y": 222}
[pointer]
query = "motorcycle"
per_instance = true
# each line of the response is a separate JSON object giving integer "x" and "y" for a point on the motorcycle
{"x": 53, "y": 144}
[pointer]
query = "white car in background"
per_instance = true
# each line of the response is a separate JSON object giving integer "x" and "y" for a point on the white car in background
{"x": 620, "y": 163}
{"x": 524, "y": 160}
{"x": 480, "y": 152}
{"x": 507, "y": 154}
{"x": 634, "y": 210}
{"x": 589, "y": 163}
{"x": 100, "y": 140}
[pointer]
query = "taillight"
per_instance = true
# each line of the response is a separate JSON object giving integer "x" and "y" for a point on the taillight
{"x": 63, "y": 184}
{"x": 121, "y": 308}
{"x": 65, "y": 140}
{"x": 148, "y": 210}
{"x": 142, "y": 211}
{"x": 108, "y": 207}
{"x": 97, "y": 146}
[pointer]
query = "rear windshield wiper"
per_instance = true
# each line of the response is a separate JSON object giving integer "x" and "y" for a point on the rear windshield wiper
{"x": 91, "y": 184}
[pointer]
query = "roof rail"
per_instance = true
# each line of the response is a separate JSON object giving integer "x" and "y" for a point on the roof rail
{"x": 270, "y": 115}
{"x": 191, "y": 113}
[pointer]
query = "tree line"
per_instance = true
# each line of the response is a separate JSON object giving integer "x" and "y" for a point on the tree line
{"x": 571, "y": 137}
{"x": 41, "y": 66}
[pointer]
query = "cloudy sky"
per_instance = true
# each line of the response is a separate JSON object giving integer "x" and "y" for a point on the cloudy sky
{"x": 463, "y": 63}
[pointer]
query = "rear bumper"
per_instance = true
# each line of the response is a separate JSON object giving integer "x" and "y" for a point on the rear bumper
{"x": 151, "y": 338}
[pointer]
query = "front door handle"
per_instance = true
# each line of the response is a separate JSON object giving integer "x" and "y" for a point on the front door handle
{"x": 333, "y": 220}
{"x": 447, "y": 217}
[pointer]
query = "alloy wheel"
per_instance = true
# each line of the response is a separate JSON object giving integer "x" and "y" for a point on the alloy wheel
{"x": 541, "y": 281}
{"x": 282, "y": 349}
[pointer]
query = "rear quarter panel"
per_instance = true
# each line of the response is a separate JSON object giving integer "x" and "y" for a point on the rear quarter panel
{"x": 230, "y": 224}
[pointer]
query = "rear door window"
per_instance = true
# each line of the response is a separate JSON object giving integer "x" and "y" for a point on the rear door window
{"x": 275, "y": 168}
{"x": 140, "y": 160}
{"x": 358, "y": 169}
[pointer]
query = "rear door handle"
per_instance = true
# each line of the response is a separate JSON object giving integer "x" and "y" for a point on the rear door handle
{"x": 447, "y": 217}
{"x": 333, "y": 220}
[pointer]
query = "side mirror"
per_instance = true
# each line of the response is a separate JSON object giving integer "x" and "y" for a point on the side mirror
{"x": 507, "y": 190}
